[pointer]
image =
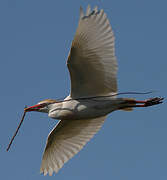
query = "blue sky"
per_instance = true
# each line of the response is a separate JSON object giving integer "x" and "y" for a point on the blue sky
{"x": 35, "y": 38}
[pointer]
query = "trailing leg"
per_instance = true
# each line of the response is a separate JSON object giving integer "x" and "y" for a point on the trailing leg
{"x": 129, "y": 104}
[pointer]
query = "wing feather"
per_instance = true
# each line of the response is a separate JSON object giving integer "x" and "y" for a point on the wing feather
{"x": 66, "y": 140}
{"x": 92, "y": 62}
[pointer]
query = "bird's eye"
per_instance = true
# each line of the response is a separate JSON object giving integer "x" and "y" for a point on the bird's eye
{"x": 42, "y": 105}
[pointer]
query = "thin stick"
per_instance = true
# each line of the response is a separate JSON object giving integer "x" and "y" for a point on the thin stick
{"x": 16, "y": 131}
{"x": 116, "y": 94}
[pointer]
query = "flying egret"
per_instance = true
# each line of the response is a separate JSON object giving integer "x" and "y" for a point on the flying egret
{"x": 93, "y": 68}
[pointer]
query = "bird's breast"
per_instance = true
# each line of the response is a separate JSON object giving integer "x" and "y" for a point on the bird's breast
{"x": 83, "y": 109}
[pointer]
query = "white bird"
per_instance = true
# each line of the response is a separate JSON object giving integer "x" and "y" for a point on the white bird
{"x": 93, "y": 69}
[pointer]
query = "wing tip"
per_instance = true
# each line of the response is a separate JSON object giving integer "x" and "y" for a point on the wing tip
{"x": 96, "y": 9}
{"x": 49, "y": 172}
{"x": 89, "y": 12}
{"x": 81, "y": 12}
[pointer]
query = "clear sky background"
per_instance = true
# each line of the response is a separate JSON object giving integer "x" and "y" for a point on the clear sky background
{"x": 35, "y": 38}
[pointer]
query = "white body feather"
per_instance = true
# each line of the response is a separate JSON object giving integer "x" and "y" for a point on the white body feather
{"x": 85, "y": 109}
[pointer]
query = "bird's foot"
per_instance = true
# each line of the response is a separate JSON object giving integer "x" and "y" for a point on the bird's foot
{"x": 149, "y": 102}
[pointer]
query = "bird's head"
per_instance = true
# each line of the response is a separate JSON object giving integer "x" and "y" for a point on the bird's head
{"x": 42, "y": 106}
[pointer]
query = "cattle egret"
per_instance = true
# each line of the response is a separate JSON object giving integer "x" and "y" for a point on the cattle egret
{"x": 93, "y": 68}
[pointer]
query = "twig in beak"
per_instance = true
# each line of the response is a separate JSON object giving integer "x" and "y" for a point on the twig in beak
{"x": 16, "y": 131}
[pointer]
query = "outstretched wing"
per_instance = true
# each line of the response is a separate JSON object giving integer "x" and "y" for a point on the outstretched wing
{"x": 92, "y": 62}
{"x": 66, "y": 140}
